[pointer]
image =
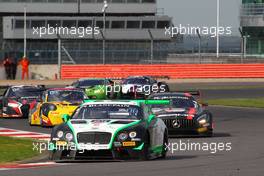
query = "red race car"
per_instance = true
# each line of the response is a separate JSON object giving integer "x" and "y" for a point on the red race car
{"x": 18, "y": 100}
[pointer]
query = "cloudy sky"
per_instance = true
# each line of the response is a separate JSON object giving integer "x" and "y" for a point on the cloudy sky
{"x": 202, "y": 12}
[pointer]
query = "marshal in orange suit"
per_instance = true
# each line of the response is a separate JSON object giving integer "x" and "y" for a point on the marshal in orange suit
{"x": 24, "y": 62}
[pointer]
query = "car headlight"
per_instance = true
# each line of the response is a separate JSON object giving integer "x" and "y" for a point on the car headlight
{"x": 122, "y": 136}
{"x": 60, "y": 134}
{"x": 13, "y": 105}
{"x": 132, "y": 134}
{"x": 202, "y": 121}
{"x": 69, "y": 136}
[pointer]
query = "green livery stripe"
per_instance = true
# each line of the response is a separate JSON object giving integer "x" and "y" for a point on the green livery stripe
{"x": 74, "y": 135}
{"x": 139, "y": 147}
{"x": 157, "y": 149}
{"x": 119, "y": 129}
{"x": 51, "y": 146}
{"x": 150, "y": 119}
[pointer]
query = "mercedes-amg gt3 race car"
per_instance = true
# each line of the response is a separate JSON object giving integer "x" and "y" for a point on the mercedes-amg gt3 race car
{"x": 54, "y": 103}
{"x": 142, "y": 86}
{"x": 110, "y": 130}
{"x": 184, "y": 116}
{"x": 18, "y": 100}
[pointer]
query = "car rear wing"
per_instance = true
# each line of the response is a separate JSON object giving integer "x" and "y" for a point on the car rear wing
{"x": 160, "y": 77}
{"x": 153, "y": 102}
{"x": 194, "y": 93}
{"x": 3, "y": 89}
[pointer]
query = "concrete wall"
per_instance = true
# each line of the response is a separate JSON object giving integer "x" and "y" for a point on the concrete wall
{"x": 35, "y": 72}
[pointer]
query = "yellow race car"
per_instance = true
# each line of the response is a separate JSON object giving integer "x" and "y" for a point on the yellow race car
{"x": 54, "y": 103}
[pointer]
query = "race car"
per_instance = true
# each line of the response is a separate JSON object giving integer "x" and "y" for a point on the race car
{"x": 184, "y": 116}
{"x": 118, "y": 130}
{"x": 18, "y": 100}
{"x": 141, "y": 87}
{"x": 97, "y": 88}
{"x": 55, "y": 102}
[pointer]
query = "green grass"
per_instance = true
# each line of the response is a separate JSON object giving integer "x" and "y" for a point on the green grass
{"x": 14, "y": 149}
{"x": 239, "y": 102}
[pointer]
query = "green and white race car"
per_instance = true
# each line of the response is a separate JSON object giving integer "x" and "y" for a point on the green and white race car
{"x": 118, "y": 130}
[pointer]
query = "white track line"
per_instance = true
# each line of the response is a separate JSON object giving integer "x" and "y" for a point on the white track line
{"x": 23, "y": 134}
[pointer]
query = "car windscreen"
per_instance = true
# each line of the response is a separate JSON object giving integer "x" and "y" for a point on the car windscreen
{"x": 135, "y": 81}
{"x": 177, "y": 102}
{"x": 108, "y": 111}
{"x": 25, "y": 92}
{"x": 71, "y": 96}
{"x": 85, "y": 83}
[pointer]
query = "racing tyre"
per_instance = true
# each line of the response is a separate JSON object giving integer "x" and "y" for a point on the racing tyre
{"x": 165, "y": 144}
{"x": 29, "y": 121}
{"x": 209, "y": 133}
{"x": 55, "y": 156}
{"x": 40, "y": 116}
{"x": 145, "y": 151}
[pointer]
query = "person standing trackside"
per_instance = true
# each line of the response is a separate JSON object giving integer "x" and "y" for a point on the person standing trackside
{"x": 24, "y": 62}
{"x": 7, "y": 64}
{"x": 14, "y": 68}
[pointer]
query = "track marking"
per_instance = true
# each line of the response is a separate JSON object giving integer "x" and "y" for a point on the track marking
{"x": 24, "y": 134}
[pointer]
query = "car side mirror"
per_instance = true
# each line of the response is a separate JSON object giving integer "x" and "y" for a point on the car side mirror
{"x": 151, "y": 117}
{"x": 66, "y": 117}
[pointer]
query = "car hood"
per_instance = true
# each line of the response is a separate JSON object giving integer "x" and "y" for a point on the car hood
{"x": 66, "y": 103}
{"x": 110, "y": 126}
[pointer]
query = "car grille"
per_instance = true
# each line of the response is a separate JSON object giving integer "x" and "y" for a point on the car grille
{"x": 182, "y": 123}
{"x": 94, "y": 137}
{"x": 94, "y": 155}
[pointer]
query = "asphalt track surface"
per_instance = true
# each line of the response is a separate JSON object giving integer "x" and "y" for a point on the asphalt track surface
{"x": 242, "y": 127}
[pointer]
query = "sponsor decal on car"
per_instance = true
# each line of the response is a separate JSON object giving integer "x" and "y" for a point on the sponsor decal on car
{"x": 129, "y": 144}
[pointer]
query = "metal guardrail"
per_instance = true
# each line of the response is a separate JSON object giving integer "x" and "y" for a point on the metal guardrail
{"x": 196, "y": 55}
{"x": 252, "y": 9}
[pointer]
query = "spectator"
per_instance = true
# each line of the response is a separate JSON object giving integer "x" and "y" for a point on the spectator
{"x": 14, "y": 68}
{"x": 24, "y": 62}
{"x": 7, "y": 64}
